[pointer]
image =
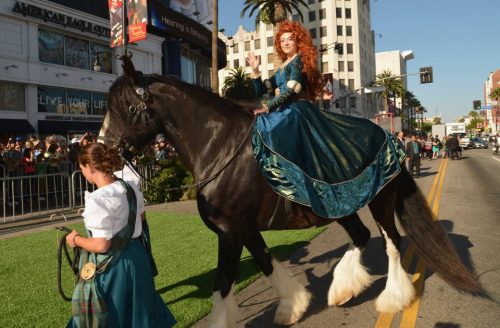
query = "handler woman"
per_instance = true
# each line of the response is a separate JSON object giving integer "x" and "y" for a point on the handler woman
{"x": 333, "y": 163}
{"x": 127, "y": 286}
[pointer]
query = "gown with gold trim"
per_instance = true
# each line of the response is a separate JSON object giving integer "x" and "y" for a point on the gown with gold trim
{"x": 333, "y": 163}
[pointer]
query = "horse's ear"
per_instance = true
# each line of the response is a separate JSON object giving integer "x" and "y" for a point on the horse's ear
{"x": 128, "y": 68}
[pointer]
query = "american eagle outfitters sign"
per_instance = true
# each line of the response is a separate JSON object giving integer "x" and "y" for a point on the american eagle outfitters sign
{"x": 47, "y": 15}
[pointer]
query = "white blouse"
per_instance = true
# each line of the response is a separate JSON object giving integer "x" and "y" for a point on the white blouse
{"x": 106, "y": 210}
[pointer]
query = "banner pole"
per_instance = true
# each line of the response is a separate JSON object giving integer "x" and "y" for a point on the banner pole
{"x": 125, "y": 28}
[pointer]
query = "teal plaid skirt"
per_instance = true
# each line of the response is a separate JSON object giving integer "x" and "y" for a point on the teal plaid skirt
{"x": 128, "y": 290}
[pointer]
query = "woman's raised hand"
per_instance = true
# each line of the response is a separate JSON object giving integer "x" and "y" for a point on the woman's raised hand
{"x": 254, "y": 62}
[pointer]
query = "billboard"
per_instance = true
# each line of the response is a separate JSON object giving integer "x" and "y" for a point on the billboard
{"x": 198, "y": 10}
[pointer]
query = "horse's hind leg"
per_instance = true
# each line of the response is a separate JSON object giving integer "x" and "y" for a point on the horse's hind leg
{"x": 294, "y": 298}
{"x": 350, "y": 277}
{"x": 224, "y": 310}
{"x": 399, "y": 291}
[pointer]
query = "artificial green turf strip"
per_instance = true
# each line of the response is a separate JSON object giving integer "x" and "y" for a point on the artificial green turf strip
{"x": 185, "y": 252}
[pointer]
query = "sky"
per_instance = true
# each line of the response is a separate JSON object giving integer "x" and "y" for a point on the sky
{"x": 458, "y": 38}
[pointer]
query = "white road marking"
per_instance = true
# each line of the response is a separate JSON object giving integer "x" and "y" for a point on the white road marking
{"x": 495, "y": 158}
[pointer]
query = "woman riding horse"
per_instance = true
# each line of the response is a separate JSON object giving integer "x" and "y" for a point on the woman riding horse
{"x": 235, "y": 199}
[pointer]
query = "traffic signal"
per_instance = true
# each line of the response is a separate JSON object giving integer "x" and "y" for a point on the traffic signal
{"x": 426, "y": 75}
{"x": 476, "y": 104}
{"x": 339, "y": 48}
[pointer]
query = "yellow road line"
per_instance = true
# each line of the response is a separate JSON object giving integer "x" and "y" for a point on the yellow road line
{"x": 385, "y": 319}
{"x": 409, "y": 317}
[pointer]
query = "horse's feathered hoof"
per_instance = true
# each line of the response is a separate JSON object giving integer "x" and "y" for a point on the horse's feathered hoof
{"x": 290, "y": 310}
{"x": 350, "y": 278}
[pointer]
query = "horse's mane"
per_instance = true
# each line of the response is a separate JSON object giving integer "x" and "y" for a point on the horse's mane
{"x": 122, "y": 95}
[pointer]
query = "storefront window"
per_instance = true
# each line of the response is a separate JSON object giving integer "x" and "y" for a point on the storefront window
{"x": 51, "y": 100}
{"x": 99, "y": 103}
{"x": 78, "y": 102}
{"x": 188, "y": 70}
{"x": 11, "y": 97}
{"x": 51, "y": 47}
{"x": 55, "y": 48}
{"x": 70, "y": 101}
{"x": 105, "y": 56}
{"x": 77, "y": 53}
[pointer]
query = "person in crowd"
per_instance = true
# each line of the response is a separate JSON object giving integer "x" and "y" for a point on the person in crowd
{"x": 428, "y": 147}
{"x": 2, "y": 163}
{"x": 436, "y": 147}
{"x": 414, "y": 151}
{"x": 28, "y": 161}
{"x": 50, "y": 157}
{"x": 453, "y": 145}
{"x": 314, "y": 153}
{"x": 127, "y": 286}
{"x": 401, "y": 139}
{"x": 444, "y": 149}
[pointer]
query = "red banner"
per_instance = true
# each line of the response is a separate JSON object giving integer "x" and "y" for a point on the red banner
{"x": 137, "y": 13}
{"x": 116, "y": 22}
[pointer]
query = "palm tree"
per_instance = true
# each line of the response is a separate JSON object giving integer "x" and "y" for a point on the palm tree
{"x": 495, "y": 94}
{"x": 272, "y": 12}
{"x": 393, "y": 86}
{"x": 238, "y": 85}
{"x": 411, "y": 103}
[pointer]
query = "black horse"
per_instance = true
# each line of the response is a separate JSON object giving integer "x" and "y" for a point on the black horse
{"x": 212, "y": 136}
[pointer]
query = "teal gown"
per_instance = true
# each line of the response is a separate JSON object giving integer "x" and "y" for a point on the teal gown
{"x": 333, "y": 163}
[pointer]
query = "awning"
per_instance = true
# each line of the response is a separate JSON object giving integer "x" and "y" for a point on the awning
{"x": 65, "y": 127}
{"x": 15, "y": 126}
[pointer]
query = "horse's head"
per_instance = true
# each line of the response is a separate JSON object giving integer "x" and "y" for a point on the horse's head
{"x": 131, "y": 123}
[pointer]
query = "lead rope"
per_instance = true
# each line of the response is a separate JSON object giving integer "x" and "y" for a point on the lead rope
{"x": 73, "y": 263}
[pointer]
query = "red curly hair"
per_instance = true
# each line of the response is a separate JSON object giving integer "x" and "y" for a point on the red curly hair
{"x": 308, "y": 53}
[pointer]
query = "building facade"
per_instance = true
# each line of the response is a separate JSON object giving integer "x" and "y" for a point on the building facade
{"x": 345, "y": 22}
{"x": 493, "y": 113}
{"x": 49, "y": 83}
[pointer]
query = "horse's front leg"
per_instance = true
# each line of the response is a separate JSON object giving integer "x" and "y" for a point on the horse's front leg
{"x": 294, "y": 299}
{"x": 224, "y": 309}
{"x": 350, "y": 277}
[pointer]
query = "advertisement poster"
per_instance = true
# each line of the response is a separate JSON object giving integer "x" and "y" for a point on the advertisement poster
{"x": 137, "y": 13}
{"x": 116, "y": 22}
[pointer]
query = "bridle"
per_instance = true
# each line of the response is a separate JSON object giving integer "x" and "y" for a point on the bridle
{"x": 136, "y": 113}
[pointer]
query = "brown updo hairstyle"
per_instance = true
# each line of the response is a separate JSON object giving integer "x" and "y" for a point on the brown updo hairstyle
{"x": 308, "y": 53}
{"x": 101, "y": 157}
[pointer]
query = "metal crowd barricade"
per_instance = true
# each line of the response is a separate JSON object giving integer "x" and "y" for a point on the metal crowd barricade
{"x": 47, "y": 195}
{"x": 34, "y": 196}
{"x": 146, "y": 172}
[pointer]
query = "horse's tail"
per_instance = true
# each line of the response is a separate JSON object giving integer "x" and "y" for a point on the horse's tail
{"x": 429, "y": 238}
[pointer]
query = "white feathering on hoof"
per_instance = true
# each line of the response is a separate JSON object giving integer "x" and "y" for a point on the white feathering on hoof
{"x": 399, "y": 291}
{"x": 224, "y": 311}
{"x": 294, "y": 298}
{"x": 350, "y": 278}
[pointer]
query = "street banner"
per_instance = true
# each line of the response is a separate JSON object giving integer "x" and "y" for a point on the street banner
{"x": 137, "y": 13}
{"x": 116, "y": 22}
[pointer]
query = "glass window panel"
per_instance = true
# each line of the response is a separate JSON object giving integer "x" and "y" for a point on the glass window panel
{"x": 247, "y": 45}
{"x": 313, "y": 33}
{"x": 270, "y": 41}
{"x": 105, "y": 56}
{"x": 235, "y": 48}
{"x": 348, "y": 30}
{"x": 50, "y": 47}
{"x": 12, "y": 97}
{"x": 51, "y": 100}
{"x": 187, "y": 70}
{"x": 77, "y": 52}
{"x": 236, "y": 63}
{"x": 341, "y": 66}
{"x": 349, "y": 48}
{"x": 322, "y": 13}
{"x": 99, "y": 103}
{"x": 78, "y": 102}
{"x": 338, "y": 12}
{"x": 257, "y": 44}
{"x": 347, "y": 13}
{"x": 322, "y": 31}
{"x": 339, "y": 30}
{"x": 350, "y": 66}
{"x": 312, "y": 16}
